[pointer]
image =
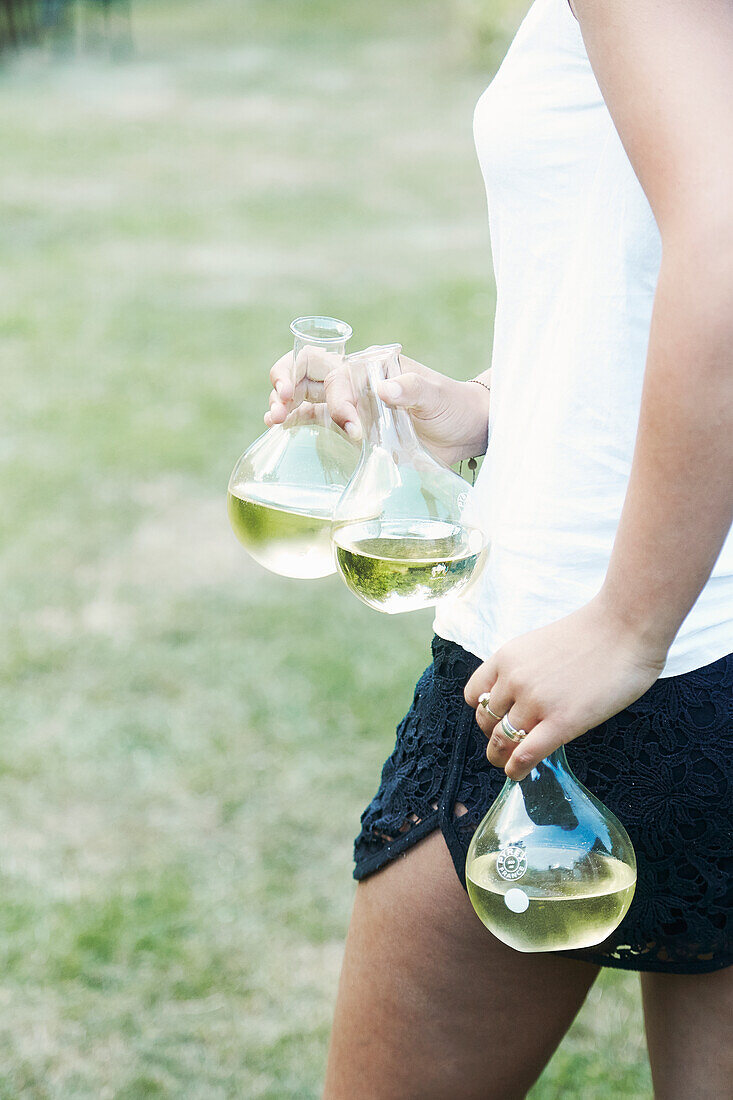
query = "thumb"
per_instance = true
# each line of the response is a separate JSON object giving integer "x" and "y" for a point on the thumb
{"x": 422, "y": 396}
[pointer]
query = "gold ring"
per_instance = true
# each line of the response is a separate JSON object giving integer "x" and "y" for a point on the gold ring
{"x": 509, "y": 731}
{"x": 484, "y": 701}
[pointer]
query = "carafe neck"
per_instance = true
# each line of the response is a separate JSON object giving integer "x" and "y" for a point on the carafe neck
{"x": 545, "y": 789}
{"x": 382, "y": 425}
{"x": 556, "y": 762}
{"x": 552, "y": 769}
{"x": 319, "y": 345}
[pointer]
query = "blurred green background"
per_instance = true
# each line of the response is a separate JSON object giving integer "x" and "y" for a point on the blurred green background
{"x": 187, "y": 742}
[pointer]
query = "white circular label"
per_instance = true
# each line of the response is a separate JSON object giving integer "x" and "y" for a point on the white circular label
{"x": 516, "y": 900}
{"x": 512, "y": 862}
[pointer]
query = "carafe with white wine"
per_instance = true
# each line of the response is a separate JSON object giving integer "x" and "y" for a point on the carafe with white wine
{"x": 550, "y": 868}
{"x": 284, "y": 489}
{"x": 399, "y": 532}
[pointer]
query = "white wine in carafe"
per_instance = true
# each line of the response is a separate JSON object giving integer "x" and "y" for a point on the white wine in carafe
{"x": 284, "y": 488}
{"x": 550, "y": 868}
{"x": 396, "y": 568}
{"x": 290, "y": 533}
{"x": 550, "y": 916}
{"x": 401, "y": 530}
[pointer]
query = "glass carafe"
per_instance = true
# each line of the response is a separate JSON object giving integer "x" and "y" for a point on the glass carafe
{"x": 550, "y": 868}
{"x": 283, "y": 490}
{"x": 400, "y": 539}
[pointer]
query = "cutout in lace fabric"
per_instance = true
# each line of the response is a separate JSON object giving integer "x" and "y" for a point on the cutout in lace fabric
{"x": 664, "y": 766}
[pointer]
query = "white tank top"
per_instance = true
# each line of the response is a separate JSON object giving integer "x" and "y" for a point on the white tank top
{"x": 576, "y": 255}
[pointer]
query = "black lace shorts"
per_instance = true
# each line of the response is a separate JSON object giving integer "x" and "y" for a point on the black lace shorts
{"x": 664, "y": 766}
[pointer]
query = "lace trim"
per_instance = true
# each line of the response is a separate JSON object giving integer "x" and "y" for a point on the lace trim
{"x": 664, "y": 766}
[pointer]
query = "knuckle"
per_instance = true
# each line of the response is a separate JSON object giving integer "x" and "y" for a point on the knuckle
{"x": 337, "y": 384}
{"x": 413, "y": 390}
{"x": 510, "y": 683}
{"x": 520, "y": 684}
{"x": 337, "y": 398}
{"x": 422, "y": 393}
{"x": 530, "y": 701}
{"x": 319, "y": 364}
{"x": 523, "y": 758}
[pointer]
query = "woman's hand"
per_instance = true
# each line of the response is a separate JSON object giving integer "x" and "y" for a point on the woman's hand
{"x": 450, "y": 417}
{"x": 560, "y": 681}
{"x": 310, "y": 371}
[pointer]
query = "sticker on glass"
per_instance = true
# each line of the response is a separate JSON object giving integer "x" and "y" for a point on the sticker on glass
{"x": 516, "y": 900}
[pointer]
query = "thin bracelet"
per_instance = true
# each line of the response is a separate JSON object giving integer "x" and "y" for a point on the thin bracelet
{"x": 472, "y": 463}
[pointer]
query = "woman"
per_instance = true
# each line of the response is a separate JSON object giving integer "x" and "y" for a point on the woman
{"x": 604, "y": 617}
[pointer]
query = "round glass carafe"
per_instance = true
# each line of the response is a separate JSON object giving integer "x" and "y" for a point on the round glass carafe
{"x": 285, "y": 487}
{"x": 550, "y": 868}
{"x": 400, "y": 539}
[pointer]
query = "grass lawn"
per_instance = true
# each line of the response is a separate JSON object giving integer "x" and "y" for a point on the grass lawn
{"x": 186, "y": 743}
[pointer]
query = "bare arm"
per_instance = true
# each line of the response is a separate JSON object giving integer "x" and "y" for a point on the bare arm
{"x": 665, "y": 68}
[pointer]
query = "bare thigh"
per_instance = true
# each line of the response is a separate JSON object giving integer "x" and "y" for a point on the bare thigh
{"x": 689, "y": 1030}
{"x": 430, "y": 1005}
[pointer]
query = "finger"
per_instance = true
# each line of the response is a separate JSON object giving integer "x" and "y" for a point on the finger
{"x": 422, "y": 396}
{"x": 312, "y": 367}
{"x": 308, "y": 411}
{"x": 500, "y": 699}
{"x": 543, "y": 740}
{"x": 304, "y": 413}
{"x": 498, "y": 702}
{"x": 315, "y": 364}
{"x": 278, "y": 409}
{"x": 482, "y": 680}
{"x": 281, "y": 376}
{"x": 309, "y": 390}
{"x": 340, "y": 401}
{"x": 292, "y": 413}
{"x": 500, "y": 746}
